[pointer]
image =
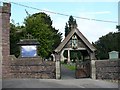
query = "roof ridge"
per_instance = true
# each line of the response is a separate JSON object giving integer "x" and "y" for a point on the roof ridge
{"x": 67, "y": 38}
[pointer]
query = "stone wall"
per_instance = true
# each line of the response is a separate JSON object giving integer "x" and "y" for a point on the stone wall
{"x": 32, "y": 68}
{"x": 107, "y": 69}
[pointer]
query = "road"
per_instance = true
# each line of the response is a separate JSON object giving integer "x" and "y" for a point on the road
{"x": 53, "y": 83}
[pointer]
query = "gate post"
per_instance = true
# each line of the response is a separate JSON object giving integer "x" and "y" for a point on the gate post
{"x": 0, "y": 47}
{"x": 57, "y": 58}
{"x": 5, "y": 13}
{"x": 93, "y": 69}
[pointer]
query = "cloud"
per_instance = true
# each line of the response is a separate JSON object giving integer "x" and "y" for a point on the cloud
{"x": 59, "y": 22}
{"x": 92, "y": 30}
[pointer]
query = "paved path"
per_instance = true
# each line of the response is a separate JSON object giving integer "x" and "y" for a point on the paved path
{"x": 66, "y": 73}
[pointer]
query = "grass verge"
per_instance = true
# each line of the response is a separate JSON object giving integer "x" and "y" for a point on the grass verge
{"x": 70, "y": 67}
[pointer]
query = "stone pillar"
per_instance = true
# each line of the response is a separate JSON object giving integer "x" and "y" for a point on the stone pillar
{"x": 5, "y": 12}
{"x": 57, "y": 59}
{"x": 93, "y": 67}
{"x": 68, "y": 55}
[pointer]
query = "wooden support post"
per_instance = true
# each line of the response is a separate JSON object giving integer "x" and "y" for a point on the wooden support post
{"x": 68, "y": 56}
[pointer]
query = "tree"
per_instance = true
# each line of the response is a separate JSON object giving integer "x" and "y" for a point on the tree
{"x": 67, "y": 30}
{"x": 39, "y": 25}
{"x": 16, "y": 33}
{"x": 107, "y": 43}
{"x": 118, "y": 27}
{"x": 71, "y": 24}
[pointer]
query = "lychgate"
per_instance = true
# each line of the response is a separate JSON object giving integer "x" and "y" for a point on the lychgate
{"x": 76, "y": 41}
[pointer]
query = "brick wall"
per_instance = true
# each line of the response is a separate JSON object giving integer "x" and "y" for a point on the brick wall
{"x": 5, "y": 29}
{"x": 0, "y": 43}
{"x": 32, "y": 68}
{"x": 108, "y": 69}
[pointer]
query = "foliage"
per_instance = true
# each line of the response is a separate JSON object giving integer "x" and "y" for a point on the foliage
{"x": 118, "y": 27}
{"x": 67, "y": 30}
{"x": 70, "y": 67}
{"x": 16, "y": 34}
{"x": 73, "y": 55}
{"x": 38, "y": 25}
{"x": 71, "y": 23}
{"x": 106, "y": 44}
{"x": 65, "y": 54}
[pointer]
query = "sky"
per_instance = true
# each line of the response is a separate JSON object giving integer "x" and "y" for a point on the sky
{"x": 119, "y": 13}
{"x": 92, "y": 30}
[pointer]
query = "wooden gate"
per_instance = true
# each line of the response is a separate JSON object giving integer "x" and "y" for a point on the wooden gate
{"x": 83, "y": 69}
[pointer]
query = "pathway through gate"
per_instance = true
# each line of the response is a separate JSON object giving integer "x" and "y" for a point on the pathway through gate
{"x": 66, "y": 73}
{"x": 81, "y": 70}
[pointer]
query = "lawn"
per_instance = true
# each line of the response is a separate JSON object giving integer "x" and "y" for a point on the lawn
{"x": 69, "y": 66}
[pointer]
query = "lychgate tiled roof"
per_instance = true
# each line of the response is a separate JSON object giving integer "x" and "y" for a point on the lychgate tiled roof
{"x": 80, "y": 35}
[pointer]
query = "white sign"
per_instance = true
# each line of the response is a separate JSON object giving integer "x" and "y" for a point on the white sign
{"x": 29, "y": 51}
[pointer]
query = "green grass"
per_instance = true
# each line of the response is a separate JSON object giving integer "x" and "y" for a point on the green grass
{"x": 70, "y": 67}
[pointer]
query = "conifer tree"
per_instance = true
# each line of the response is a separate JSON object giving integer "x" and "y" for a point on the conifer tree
{"x": 71, "y": 24}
